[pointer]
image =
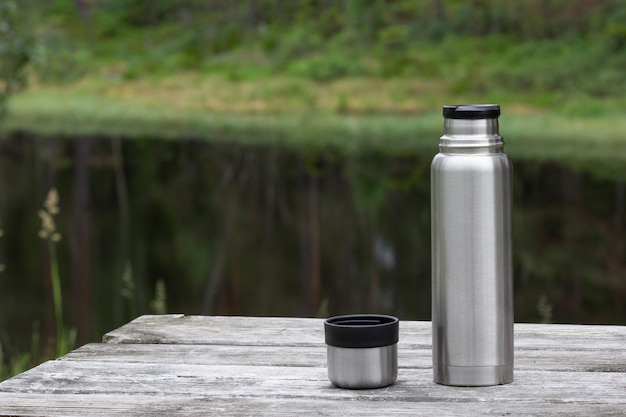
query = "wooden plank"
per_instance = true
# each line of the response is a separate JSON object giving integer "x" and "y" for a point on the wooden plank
{"x": 193, "y": 365}
{"x": 104, "y": 405}
{"x": 252, "y": 331}
{"x": 235, "y": 381}
{"x": 272, "y": 331}
{"x": 409, "y": 356}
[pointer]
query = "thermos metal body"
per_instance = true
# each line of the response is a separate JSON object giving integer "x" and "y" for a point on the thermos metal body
{"x": 472, "y": 288}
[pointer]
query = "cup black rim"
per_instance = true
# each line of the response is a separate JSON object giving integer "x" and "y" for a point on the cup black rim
{"x": 361, "y": 330}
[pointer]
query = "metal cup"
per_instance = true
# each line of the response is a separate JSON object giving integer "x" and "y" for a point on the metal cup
{"x": 362, "y": 350}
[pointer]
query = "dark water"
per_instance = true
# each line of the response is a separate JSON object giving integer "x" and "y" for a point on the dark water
{"x": 265, "y": 231}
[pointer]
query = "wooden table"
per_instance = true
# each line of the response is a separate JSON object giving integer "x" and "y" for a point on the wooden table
{"x": 193, "y": 365}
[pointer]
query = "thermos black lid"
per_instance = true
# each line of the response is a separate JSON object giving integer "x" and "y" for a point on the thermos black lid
{"x": 361, "y": 331}
{"x": 471, "y": 111}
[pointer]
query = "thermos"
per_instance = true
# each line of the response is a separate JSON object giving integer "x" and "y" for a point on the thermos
{"x": 472, "y": 288}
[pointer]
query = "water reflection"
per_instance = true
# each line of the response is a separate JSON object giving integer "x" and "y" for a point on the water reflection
{"x": 253, "y": 230}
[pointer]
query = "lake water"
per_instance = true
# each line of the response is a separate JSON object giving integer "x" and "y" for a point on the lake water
{"x": 244, "y": 230}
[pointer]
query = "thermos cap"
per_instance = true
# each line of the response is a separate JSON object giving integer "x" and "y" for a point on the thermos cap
{"x": 361, "y": 331}
{"x": 471, "y": 111}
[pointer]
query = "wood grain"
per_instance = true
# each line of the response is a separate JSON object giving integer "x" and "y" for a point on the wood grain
{"x": 193, "y": 365}
{"x": 191, "y": 405}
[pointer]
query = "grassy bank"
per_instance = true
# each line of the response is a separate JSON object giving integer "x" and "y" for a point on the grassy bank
{"x": 395, "y": 115}
{"x": 348, "y": 75}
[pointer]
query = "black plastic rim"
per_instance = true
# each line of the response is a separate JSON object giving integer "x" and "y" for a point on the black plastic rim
{"x": 472, "y": 111}
{"x": 361, "y": 331}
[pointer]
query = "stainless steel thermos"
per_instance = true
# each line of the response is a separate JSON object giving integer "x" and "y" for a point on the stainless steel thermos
{"x": 472, "y": 288}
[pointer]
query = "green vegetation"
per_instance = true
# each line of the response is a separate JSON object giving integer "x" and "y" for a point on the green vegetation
{"x": 64, "y": 337}
{"x": 15, "y": 49}
{"x": 531, "y": 133}
{"x": 350, "y": 74}
{"x": 14, "y": 360}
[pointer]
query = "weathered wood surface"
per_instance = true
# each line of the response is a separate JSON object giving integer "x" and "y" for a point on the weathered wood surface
{"x": 192, "y": 365}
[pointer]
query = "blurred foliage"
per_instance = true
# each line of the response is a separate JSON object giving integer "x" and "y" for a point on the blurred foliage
{"x": 249, "y": 205}
{"x": 16, "y": 50}
{"x": 16, "y": 359}
{"x": 509, "y": 43}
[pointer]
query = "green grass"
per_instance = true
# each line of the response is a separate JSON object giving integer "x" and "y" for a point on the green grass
{"x": 343, "y": 93}
{"x": 93, "y": 115}
{"x": 381, "y": 115}
{"x": 320, "y": 81}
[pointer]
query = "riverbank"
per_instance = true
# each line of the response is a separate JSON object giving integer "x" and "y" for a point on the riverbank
{"x": 347, "y": 76}
{"x": 351, "y": 114}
